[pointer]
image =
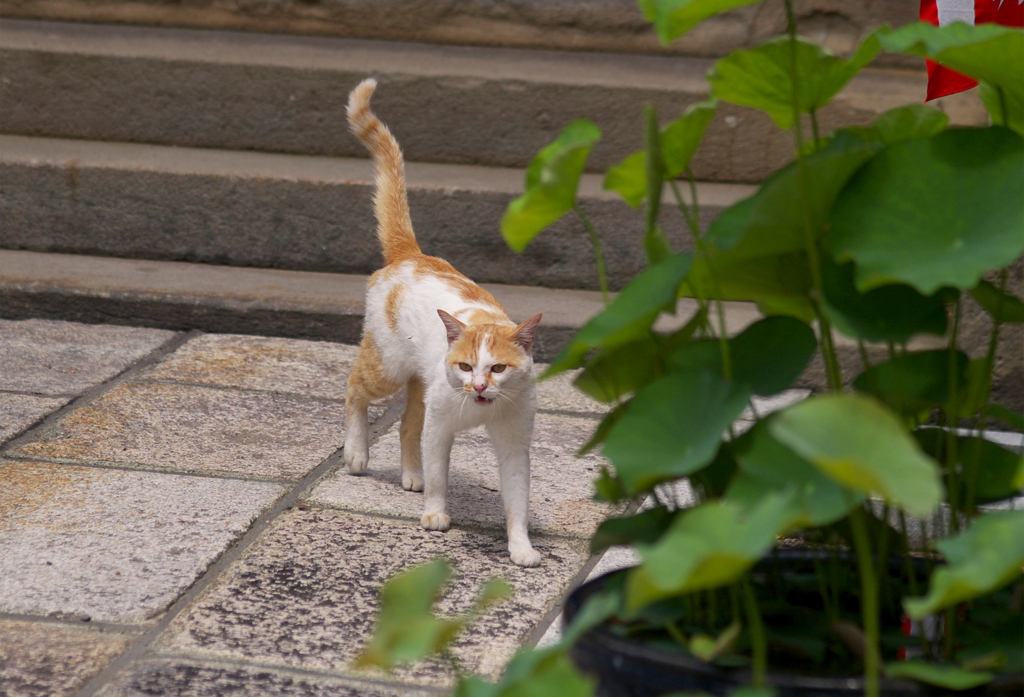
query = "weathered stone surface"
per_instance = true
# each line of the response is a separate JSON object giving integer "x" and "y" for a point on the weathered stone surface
{"x": 306, "y": 594}
{"x": 183, "y": 678}
{"x": 310, "y": 368}
{"x": 302, "y": 212}
{"x": 561, "y": 485}
{"x": 65, "y": 358}
{"x": 20, "y": 411}
{"x": 198, "y": 429}
{"x": 559, "y": 394}
{"x": 593, "y": 25}
{"x": 113, "y": 545}
{"x": 50, "y": 660}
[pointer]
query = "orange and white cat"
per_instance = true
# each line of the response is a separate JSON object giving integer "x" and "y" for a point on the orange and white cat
{"x": 448, "y": 341}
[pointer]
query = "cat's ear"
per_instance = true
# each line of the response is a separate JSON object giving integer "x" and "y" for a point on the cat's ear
{"x": 453, "y": 326}
{"x": 525, "y": 332}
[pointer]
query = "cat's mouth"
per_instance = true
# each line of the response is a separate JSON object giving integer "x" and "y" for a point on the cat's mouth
{"x": 483, "y": 400}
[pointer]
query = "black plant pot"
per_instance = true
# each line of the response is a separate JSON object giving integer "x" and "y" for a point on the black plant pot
{"x": 630, "y": 668}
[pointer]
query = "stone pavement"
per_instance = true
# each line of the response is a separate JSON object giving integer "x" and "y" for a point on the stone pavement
{"x": 175, "y": 519}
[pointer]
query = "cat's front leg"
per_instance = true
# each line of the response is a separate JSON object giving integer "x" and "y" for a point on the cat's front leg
{"x": 438, "y": 436}
{"x": 511, "y": 441}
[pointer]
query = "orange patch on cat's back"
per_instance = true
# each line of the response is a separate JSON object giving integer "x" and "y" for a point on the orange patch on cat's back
{"x": 476, "y": 315}
{"x": 393, "y": 305}
{"x": 440, "y": 269}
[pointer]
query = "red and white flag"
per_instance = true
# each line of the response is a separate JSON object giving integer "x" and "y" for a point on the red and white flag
{"x": 941, "y": 80}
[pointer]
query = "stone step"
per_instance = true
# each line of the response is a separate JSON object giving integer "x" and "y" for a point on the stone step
{"x": 300, "y": 212}
{"x": 328, "y": 306}
{"x": 596, "y": 25}
{"x": 268, "y": 302}
{"x": 450, "y": 104}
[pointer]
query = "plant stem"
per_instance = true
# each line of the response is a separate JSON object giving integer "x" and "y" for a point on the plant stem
{"x": 758, "y": 641}
{"x": 826, "y": 600}
{"x": 869, "y": 601}
{"x": 702, "y": 251}
{"x": 953, "y": 419}
{"x": 602, "y": 276}
{"x": 827, "y": 347}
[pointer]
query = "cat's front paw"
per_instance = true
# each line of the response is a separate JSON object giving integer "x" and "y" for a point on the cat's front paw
{"x": 525, "y": 556}
{"x": 356, "y": 459}
{"x": 435, "y": 521}
{"x": 412, "y": 482}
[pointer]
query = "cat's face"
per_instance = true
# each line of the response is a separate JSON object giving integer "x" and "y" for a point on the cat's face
{"x": 489, "y": 362}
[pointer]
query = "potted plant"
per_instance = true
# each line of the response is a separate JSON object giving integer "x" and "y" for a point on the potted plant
{"x": 906, "y": 573}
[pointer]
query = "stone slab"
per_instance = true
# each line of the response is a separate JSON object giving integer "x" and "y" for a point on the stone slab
{"x": 309, "y": 368}
{"x": 185, "y": 678}
{"x": 113, "y": 545}
{"x": 302, "y": 212}
{"x": 63, "y": 358}
{"x": 18, "y": 412}
{"x": 602, "y": 25}
{"x": 305, "y": 595}
{"x": 50, "y": 660}
{"x": 198, "y": 429}
{"x": 561, "y": 485}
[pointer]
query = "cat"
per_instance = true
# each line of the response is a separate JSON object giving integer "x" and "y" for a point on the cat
{"x": 463, "y": 362}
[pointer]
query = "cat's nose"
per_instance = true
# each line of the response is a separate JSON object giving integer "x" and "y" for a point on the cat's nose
{"x": 479, "y": 388}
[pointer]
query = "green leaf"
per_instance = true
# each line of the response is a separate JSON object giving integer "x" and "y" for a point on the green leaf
{"x": 607, "y": 487}
{"x": 891, "y": 313}
{"x": 1002, "y": 306}
{"x": 679, "y": 141}
{"x": 916, "y": 382}
{"x": 494, "y": 591}
{"x": 655, "y": 243}
{"x": 1004, "y": 109}
{"x": 984, "y": 557}
{"x": 1012, "y": 418}
{"x": 991, "y": 53}
{"x": 762, "y": 77}
{"x": 766, "y": 464}
{"x": 646, "y": 527}
{"x": 629, "y": 178}
{"x": 673, "y": 18}
{"x": 903, "y": 123}
{"x": 863, "y": 446}
{"x": 629, "y": 316}
{"x": 625, "y": 369}
{"x": 759, "y": 244}
{"x": 766, "y": 357}
{"x": 707, "y": 547}
{"x": 530, "y": 673}
{"x": 672, "y": 428}
{"x": 406, "y": 627}
{"x": 551, "y": 183}
{"x": 988, "y": 52}
{"x": 948, "y": 676}
{"x": 934, "y": 212}
{"x": 995, "y": 471}
{"x": 708, "y": 648}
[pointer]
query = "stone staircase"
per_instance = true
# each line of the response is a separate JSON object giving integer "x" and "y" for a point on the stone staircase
{"x": 127, "y": 145}
{"x": 232, "y": 147}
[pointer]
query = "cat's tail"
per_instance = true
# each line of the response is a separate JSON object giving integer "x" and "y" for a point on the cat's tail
{"x": 394, "y": 226}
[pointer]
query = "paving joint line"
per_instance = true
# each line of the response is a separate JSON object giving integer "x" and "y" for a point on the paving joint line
{"x": 225, "y": 561}
{"x": 141, "y": 467}
{"x": 77, "y": 622}
{"x": 238, "y": 388}
{"x": 292, "y": 670}
{"x": 155, "y": 356}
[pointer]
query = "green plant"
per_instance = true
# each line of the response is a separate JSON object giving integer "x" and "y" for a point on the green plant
{"x": 877, "y": 233}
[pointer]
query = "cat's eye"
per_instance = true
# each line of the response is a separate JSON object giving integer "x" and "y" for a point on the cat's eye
{"x": 499, "y": 368}
{"x": 465, "y": 367}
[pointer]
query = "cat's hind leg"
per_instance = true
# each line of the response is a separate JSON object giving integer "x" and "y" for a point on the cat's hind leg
{"x": 411, "y": 432}
{"x": 367, "y": 382}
